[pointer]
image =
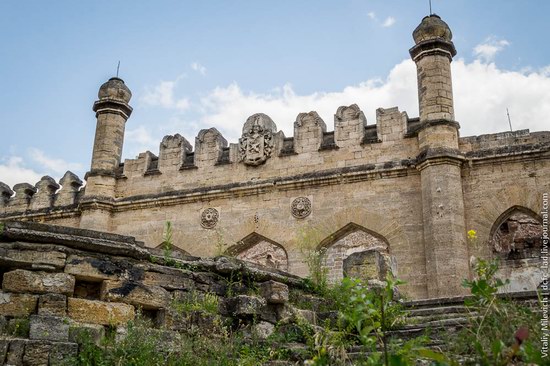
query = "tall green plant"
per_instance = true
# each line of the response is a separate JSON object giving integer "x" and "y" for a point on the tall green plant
{"x": 500, "y": 331}
{"x": 315, "y": 258}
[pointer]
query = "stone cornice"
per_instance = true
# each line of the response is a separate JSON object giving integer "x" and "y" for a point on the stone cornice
{"x": 97, "y": 203}
{"x": 100, "y": 173}
{"x": 437, "y": 122}
{"x": 438, "y": 156}
{"x": 110, "y": 105}
{"x": 436, "y": 46}
{"x": 56, "y": 212}
{"x": 507, "y": 154}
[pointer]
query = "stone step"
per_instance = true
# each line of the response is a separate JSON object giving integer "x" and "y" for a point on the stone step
{"x": 429, "y": 311}
{"x": 414, "y": 320}
{"x": 441, "y": 323}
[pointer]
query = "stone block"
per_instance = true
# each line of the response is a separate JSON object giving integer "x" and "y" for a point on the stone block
{"x": 32, "y": 259}
{"x": 50, "y": 328}
{"x": 4, "y": 345}
{"x": 209, "y": 282}
{"x": 17, "y": 304}
{"x": 262, "y": 329}
{"x": 242, "y": 306}
{"x": 99, "y": 312}
{"x": 135, "y": 293}
{"x": 79, "y": 331}
{"x": 3, "y": 324}
{"x": 37, "y": 353}
{"x": 365, "y": 265}
{"x": 94, "y": 269}
{"x": 52, "y": 305}
{"x": 61, "y": 352}
{"x": 15, "y": 352}
{"x": 308, "y": 315}
{"x": 21, "y": 280}
{"x": 274, "y": 292}
{"x": 169, "y": 281}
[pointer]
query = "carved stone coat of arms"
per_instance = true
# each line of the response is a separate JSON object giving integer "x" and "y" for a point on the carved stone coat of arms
{"x": 256, "y": 143}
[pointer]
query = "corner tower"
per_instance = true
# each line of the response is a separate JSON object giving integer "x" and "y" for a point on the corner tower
{"x": 112, "y": 111}
{"x": 439, "y": 160}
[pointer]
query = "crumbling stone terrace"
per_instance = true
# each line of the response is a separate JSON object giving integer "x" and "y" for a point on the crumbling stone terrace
{"x": 59, "y": 282}
{"x": 65, "y": 280}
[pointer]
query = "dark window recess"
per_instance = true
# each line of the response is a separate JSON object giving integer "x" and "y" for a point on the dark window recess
{"x": 371, "y": 135}
{"x": 152, "y": 314}
{"x": 328, "y": 142}
{"x": 153, "y": 168}
{"x": 87, "y": 290}
{"x": 224, "y": 157}
{"x": 288, "y": 147}
{"x": 413, "y": 125}
{"x": 189, "y": 161}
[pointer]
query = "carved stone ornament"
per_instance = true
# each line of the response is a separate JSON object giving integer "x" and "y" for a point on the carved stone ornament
{"x": 209, "y": 218}
{"x": 349, "y": 113}
{"x": 300, "y": 207}
{"x": 256, "y": 143}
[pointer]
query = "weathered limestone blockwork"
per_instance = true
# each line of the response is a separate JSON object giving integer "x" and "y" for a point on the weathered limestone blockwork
{"x": 98, "y": 312}
{"x": 349, "y": 126}
{"x": 22, "y": 281}
{"x": 413, "y": 183}
{"x": 129, "y": 282}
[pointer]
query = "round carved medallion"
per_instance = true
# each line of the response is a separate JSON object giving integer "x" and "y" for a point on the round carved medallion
{"x": 209, "y": 218}
{"x": 300, "y": 207}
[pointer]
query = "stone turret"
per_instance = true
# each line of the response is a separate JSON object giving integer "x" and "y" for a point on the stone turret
{"x": 439, "y": 160}
{"x": 433, "y": 54}
{"x": 112, "y": 112}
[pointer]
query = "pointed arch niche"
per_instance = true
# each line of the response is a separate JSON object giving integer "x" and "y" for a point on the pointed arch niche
{"x": 355, "y": 251}
{"x": 516, "y": 238}
{"x": 258, "y": 249}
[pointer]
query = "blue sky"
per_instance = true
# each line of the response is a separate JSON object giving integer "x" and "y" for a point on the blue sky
{"x": 198, "y": 64}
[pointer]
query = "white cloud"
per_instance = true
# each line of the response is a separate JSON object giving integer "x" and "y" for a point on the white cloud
{"x": 489, "y": 48}
{"x": 162, "y": 95}
{"x": 228, "y": 107}
{"x": 56, "y": 166}
{"x": 13, "y": 171}
{"x": 198, "y": 68}
{"x": 140, "y": 139}
{"x": 388, "y": 22}
{"x": 482, "y": 92}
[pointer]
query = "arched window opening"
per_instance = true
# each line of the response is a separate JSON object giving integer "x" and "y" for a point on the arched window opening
{"x": 353, "y": 251}
{"x": 519, "y": 236}
{"x": 258, "y": 249}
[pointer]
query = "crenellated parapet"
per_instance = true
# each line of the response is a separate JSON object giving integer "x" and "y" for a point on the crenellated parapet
{"x": 308, "y": 132}
{"x": 5, "y": 194}
{"x": 349, "y": 126}
{"x": 263, "y": 148}
{"x": 45, "y": 195}
{"x": 173, "y": 152}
